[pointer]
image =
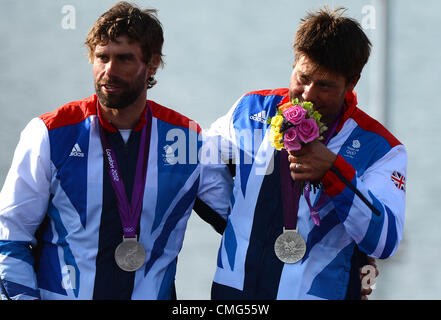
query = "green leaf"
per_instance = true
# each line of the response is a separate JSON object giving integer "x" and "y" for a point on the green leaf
{"x": 308, "y": 105}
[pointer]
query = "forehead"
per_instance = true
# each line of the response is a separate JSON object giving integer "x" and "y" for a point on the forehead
{"x": 120, "y": 45}
{"x": 306, "y": 67}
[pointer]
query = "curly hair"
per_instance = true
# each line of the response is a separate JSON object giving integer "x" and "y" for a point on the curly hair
{"x": 125, "y": 19}
{"x": 332, "y": 41}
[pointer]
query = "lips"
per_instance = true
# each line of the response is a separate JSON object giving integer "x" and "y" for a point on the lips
{"x": 111, "y": 87}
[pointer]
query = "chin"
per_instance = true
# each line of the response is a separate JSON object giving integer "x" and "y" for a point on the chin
{"x": 110, "y": 102}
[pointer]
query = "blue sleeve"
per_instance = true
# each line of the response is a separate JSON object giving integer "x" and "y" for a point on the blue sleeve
{"x": 23, "y": 205}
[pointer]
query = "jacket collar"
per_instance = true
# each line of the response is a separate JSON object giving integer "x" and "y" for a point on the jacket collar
{"x": 108, "y": 126}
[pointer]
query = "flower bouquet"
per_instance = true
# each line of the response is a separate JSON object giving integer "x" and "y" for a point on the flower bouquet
{"x": 296, "y": 123}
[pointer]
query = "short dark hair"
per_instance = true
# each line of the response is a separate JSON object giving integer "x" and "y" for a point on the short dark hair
{"x": 125, "y": 19}
{"x": 332, "y": 41}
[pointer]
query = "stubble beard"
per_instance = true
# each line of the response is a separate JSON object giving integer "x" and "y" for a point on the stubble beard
{"x": 129, "y": 94}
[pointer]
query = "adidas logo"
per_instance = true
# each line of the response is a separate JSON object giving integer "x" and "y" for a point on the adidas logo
{"x": 76, "y": 151}
{"x": 261, "y": 116}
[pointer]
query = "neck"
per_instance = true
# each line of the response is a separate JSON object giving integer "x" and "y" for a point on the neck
{"x": 329, "y": 121}
{"x": 126, "y": 118}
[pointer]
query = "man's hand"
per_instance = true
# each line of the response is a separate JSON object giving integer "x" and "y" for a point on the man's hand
{"x": 366, "y": 278}
{"x": 311, "y": 162}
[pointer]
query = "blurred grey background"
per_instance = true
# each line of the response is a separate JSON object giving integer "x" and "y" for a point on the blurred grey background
{"x": 217, "y": 50}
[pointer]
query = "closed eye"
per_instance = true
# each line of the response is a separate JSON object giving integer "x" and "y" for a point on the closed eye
{"x": 304, "y": 79}
{"x": 325, "y": 84}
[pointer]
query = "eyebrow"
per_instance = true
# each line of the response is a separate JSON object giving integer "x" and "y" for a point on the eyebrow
{"x": 325, "y": 82}
{"x": 319, "y": 81}
{"x": 125, "y": 55}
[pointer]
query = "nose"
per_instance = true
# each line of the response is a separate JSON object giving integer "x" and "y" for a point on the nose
{"x": 309, "y": 92}
{"x": 110, "y": 68}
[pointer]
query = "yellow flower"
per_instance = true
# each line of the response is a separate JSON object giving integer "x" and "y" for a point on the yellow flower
{"x": 278, "y": 146}
{"x": 276, "y": 121}
{"x": 278, "y": 136}
{"x": 275, "y": 137}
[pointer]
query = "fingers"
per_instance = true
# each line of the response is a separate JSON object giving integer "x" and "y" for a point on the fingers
{"x": 296, "y": 153}
{"x": 299, "y": 171}
{"x": 292, "y": 159}
{"x": 295, "y": 163}
{"x": 371, "y": 261}
{"x": 295, "y": 167}
{"x": 366, "y": 292}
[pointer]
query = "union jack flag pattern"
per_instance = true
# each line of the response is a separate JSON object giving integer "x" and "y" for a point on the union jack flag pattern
{"x": 399, "y": 180}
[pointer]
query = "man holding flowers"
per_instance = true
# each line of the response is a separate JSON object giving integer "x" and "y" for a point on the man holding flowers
{"x": 320, "y": 192}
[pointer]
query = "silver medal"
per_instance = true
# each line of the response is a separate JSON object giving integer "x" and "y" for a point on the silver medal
{"x": 130, "y": 255}
{"x": 290, "y": 246}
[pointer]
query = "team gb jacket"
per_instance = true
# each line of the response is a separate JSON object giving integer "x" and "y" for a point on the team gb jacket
{"x": 58, "y": 195}
{"x": 364, "y": 209}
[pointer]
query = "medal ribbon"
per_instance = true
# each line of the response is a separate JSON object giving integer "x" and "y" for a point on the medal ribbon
{"x": 291, "y": 189}
{"x": 290, "y": 193}
{"x": 129, "y": 212}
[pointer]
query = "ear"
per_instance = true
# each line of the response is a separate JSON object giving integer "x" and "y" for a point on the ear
{"x": 153, "y": 65}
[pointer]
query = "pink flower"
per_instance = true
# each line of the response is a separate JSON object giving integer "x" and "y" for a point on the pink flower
{"x": 295, "y": 114}
{"x": 308, "y": 130}
{"x": 291, "y": 140}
